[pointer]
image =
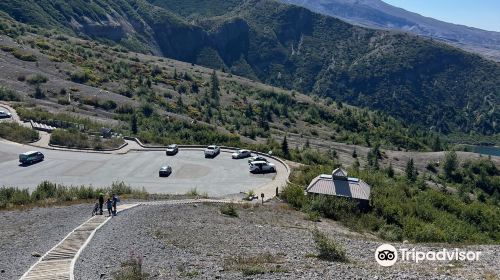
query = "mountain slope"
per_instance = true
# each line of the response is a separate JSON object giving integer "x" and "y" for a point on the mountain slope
{"x": 420, "y": 81}
{"x": 378, "y": 14}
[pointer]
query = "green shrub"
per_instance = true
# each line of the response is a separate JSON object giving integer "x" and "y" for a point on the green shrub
{"x": 9, "y": 95}
{"x": 36, "y": 79}
{"x": 229, "y": 209}
{"x": 47, "y": 192}
{"x": 17, "y": 133}
{"x": 328, "y": 249}
{"x": 74, "y": 139}
{"x": 391, "y": 233}
{"x": 80, "y": 77}
{"x": 16, "y": 196}
{"x": 44, "y": 190}
{"x": 294, "y": 195}
{"x": 24, "y": 55}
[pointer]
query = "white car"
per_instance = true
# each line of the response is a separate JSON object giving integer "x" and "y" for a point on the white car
{"x": 4, "y": 114}
{"x": 241, "y": 154}
{"x": 262, "y": 167}
{"x": 257, "y": 158}
{"x": 212, "y": 151}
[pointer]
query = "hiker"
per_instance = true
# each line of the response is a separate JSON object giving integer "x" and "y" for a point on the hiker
{"x": 115, "y": 201}
{"x": 96, "y": 208}
{"x": 101, "y": 202}
{"x": 109, "y": 204}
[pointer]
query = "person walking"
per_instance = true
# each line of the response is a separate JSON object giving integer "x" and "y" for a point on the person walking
{"x": 115, "y": 201}
{"x": 109, "y": 204}
{"x": 101, "y": 202}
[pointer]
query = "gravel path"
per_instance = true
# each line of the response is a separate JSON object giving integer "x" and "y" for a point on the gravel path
{"x": 23, "y": 233}
{"x": 271, "y": 242}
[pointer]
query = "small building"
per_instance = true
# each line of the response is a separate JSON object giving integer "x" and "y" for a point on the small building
{"x": 339, "y": 184}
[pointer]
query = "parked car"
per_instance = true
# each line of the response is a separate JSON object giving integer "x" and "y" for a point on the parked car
{"x": 165, "y": 171}
{"x": 172, "y": 149}
{"x": 5, "y": 115}
{"x": 212, "y": 151}
{"x": 31, "y": 157}
{"x": 241, "y": 154}
{"x": 257, "y": 158}
{"x": 262, "y": 167}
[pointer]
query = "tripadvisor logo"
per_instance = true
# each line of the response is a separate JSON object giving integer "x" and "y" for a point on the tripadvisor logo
{"x": 388, "y": 255}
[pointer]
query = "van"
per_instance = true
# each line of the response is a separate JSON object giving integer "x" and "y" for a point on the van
{"x": 31, "y": 157}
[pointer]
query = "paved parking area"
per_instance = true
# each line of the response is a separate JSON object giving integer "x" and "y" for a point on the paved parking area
{"x": 217, "y": 177}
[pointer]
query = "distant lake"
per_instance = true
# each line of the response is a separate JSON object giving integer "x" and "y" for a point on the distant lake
{"x": 485, "y": 150}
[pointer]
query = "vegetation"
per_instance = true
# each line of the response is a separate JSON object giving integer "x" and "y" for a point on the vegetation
{"x": 423, "y": 82}
{"x": 328, "y": 249}
{"x": 17, "y": 133}
{"x": 131, "y": 269}
{"x": 418, "y": 211}
{"x": 9, "y": 95}
{"x": 229, "y": 209}
{"x": 255, "y": 264}
{"x": 75, "y": 139}
{"x": 47, "y": 193}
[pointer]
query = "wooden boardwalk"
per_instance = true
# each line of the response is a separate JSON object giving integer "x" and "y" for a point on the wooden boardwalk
{"x": 58, "y": 263}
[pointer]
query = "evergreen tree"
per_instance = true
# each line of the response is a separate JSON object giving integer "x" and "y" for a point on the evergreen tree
{"x": 284, "y": 148}
{"x": 214, "y": 86}
{"x": 450, "y": 164}
{"x": 436, "y": 144}
{"x": 411, "y": 172}
{"x": 133, "y": 124}
{"x": 390, "y": 170}
{"x": 249, "y": 111}
{"x": 180, "y": 104}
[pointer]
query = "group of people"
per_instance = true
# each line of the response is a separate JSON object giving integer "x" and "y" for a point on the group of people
{"x": 110, "y": 204}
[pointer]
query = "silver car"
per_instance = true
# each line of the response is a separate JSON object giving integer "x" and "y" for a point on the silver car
{"x": 262, "y": 167}
{"x": 241, "y": 154}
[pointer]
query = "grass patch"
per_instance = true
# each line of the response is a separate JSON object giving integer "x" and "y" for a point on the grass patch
{"x": 229, "y": 209}
{"x": 256, "y": 264}
{"x": 193, "y": 193}
{"x": 36, "y": 79}
{"x": 328, "y": 249}
{"x": 131, "y": 270}
{"x": 17, "y": 133}
{"x": 47, "y": 193}
{"x": 24, "y": 55}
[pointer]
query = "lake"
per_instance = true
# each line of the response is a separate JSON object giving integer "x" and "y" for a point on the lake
{"x": 485, "y": 150}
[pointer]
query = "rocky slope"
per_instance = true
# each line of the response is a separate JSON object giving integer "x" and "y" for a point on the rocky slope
{"x": 378, "y": 14}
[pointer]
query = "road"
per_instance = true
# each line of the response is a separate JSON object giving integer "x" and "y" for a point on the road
{"x": 217, "y": 177}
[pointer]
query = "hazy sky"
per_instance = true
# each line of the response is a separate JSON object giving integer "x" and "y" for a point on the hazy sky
{"x": 484, "y": 14}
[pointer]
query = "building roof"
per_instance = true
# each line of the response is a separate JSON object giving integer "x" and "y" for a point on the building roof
{"x": 339, "y": 172}
{"x": 348, "y": 187}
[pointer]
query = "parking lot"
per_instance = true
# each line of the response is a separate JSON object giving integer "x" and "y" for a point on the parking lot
{"x": 190, "y": 169}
